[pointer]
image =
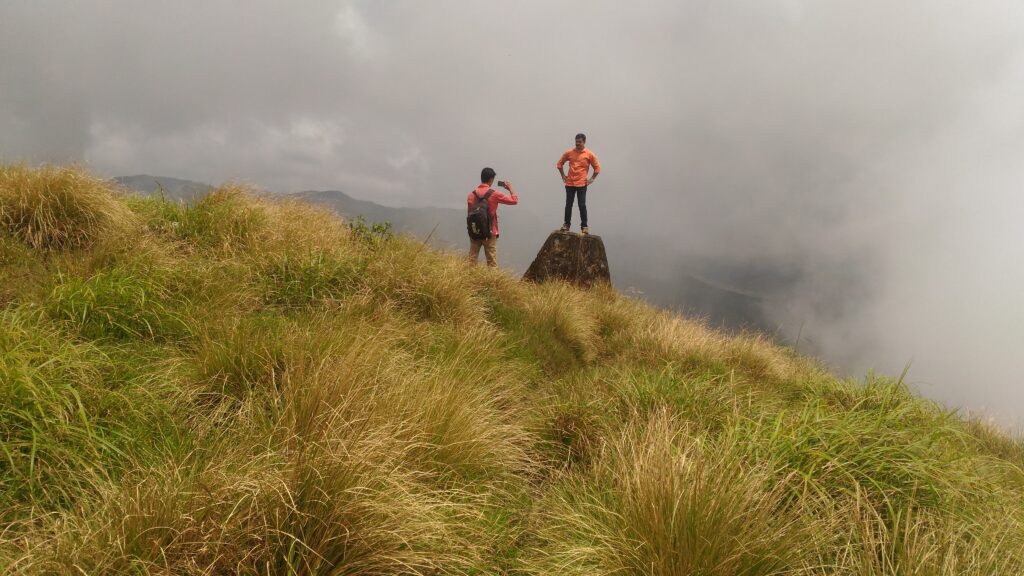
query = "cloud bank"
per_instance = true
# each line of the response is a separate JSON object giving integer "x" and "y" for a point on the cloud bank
{"x": 868, "y": 150}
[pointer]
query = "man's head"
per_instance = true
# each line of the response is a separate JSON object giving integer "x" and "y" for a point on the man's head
{"x": 581, "y": 141}
{"x": 487, "y": 176}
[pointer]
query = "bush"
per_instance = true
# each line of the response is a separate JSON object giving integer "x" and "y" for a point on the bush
{"x": 372, "y": 234}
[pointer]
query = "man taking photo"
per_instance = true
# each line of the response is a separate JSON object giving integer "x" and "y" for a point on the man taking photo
{"x": 482, "y": 216}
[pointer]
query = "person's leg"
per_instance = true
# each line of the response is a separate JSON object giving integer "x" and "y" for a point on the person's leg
{"x": 570, "y": 195}
{"x": 581, "y": 192}
{"x": 474, "y": 250}
{"x": 491, "y": 251}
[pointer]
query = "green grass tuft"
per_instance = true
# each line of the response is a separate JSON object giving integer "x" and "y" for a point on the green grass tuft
{"x": 71, "y": 418}
{"x": 227, "y": 220}
{"x": 121, "y": 303}
{"x": 301, "y": 280}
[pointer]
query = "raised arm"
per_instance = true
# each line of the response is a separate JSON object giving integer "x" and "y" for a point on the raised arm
{"x": 510, "y": 198}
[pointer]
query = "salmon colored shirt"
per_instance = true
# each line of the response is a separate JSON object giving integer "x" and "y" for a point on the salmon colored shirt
{"x": 579, "y": 163}
{"x": 492, "y": 203}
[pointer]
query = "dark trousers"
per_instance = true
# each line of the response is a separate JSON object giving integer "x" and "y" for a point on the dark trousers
{"x": 570, "y": 193}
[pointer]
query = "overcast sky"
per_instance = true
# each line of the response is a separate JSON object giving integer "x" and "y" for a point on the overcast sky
{"x": 873, "y": 146}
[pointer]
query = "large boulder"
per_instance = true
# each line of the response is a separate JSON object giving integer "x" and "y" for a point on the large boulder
{"x": 574, "y": 258}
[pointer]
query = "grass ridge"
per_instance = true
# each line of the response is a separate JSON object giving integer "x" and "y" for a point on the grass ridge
{"x": 253, "y": 386}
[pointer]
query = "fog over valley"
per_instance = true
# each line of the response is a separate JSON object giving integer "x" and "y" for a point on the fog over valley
{"x": 844, "y": 175}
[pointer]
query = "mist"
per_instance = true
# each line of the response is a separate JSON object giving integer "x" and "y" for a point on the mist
{"x": 866, "y": 151}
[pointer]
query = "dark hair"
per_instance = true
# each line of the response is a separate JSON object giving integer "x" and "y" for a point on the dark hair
{"x": 581, "y": 136}
{"x": 486, "y": 174}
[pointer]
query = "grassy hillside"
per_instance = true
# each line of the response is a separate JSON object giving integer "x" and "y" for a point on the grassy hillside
{"x": 255, "y": 387}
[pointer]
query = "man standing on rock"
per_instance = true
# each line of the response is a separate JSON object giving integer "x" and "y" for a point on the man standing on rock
{"x": 580, "y": 160}
{"x": 482, "y": 222}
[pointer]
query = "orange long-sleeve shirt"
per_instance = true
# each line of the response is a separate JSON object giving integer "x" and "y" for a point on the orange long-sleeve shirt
{"x": 579, "y": 164}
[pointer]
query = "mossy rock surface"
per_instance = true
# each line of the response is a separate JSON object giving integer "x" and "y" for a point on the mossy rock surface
{"x": 574, "y": 258}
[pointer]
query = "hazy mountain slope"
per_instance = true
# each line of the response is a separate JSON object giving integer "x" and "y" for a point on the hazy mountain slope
{"x": 172, "y": 188}
{"x": 735, "y": 300}
{"x": 443, "y": 226}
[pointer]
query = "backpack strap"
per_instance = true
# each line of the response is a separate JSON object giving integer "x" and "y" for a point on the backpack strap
{"x": 486, "y": 196}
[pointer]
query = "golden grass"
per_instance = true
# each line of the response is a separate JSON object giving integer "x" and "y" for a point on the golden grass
{"x": 918, "y": 542}
{"x": 424, "y": 284}
{"x": 658, "y": 501}
{"x": 229, "y": 221}
{"x": 565, "y": 311}
{"x": 460, "y": 428}
{"x": 301, "y": 228}
{"x": 659, "y": 335}
{"x": 58, "y": 208}
{"x": 331, "y": 506}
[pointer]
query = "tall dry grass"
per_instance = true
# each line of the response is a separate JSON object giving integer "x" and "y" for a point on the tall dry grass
{"x": 659, "y": 501}
{"x": 57, "y": 208}
{"x": 323, "y": 506}
{"x": 904, "y": 539}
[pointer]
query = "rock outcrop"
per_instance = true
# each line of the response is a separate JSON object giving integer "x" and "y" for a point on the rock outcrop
{"x": 574, "y": 258}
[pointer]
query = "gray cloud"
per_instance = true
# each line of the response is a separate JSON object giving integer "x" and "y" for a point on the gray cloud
{"x": 868, "y": 148}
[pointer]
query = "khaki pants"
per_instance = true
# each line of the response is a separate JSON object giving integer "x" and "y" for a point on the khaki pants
{"x": 490, "y": 246}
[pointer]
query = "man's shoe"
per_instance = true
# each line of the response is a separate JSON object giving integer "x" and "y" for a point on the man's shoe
{"x": 564, "y": 228}
{"x": 584, "y": 231}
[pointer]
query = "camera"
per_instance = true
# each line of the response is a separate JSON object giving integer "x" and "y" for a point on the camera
{"x": 502, "y": 184}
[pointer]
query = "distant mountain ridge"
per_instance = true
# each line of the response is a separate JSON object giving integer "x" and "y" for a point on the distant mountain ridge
{"x": 416, "y": 221}
{"x": 442, "y": 227}
{"x": 693, "y": 286}
{"x": 171, "y": 188}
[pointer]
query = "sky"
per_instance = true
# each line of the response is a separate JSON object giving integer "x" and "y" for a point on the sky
{"x": 872, "y": 149}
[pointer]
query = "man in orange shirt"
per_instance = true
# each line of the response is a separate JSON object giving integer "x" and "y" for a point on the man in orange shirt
{"x": 484, "y": 193}
{"x": 580, "y": 160}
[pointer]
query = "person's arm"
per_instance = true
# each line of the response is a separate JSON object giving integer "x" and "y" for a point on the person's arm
{"x": 510, "y": 198}
{"x": 596, "y": 166}
{"x": 561, "y": 163}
